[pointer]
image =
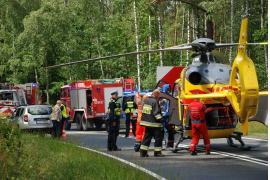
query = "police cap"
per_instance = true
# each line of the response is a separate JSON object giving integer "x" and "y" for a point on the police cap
{"x": 114, "y": 93}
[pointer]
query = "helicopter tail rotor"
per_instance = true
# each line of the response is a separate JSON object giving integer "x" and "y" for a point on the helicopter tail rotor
{"x": 244, "y": 78}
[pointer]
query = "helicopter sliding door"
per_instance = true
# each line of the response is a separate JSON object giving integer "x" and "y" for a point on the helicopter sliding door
{"x": 221, "y": 117}
{"x": 173, "y": 109}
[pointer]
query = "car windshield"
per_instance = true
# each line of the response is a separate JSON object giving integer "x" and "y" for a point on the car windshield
{"x": 6, "y": 96}
{"x": 39, "y": 110}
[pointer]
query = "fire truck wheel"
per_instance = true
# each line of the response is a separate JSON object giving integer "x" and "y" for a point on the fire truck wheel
{"x": 84, "y": 124}
{"x": 78, "y": 119}
{"x": 68, "y": 125}
{"x": 98, "y": 125}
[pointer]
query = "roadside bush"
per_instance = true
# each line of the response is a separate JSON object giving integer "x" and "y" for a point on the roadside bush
{"x": 10, "y": 149}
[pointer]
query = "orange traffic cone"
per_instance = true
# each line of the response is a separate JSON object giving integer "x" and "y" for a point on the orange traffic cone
{"x": 130, "y": 130}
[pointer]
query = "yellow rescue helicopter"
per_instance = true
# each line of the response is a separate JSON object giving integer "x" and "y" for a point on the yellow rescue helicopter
{"x": 231, "y": 91}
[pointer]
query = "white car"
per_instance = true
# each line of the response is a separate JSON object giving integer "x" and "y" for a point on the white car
{"x": 33, "y": 117}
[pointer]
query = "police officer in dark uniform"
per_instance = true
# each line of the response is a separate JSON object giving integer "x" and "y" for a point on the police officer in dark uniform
{"x": 152, "y": 120}
{"x": 113, "y": 122}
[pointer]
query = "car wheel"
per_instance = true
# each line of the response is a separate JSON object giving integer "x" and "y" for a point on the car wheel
{"x": 78, "y": 119}
{"x": 98, "y": 124}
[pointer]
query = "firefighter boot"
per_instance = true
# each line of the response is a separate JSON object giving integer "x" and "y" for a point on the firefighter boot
{"x": 193, "y": 153}
{"x": 158, "y": 154}
{"x": 170, "y": 144}
{"x": 137, "y": 146}
{"x": 143, "y": 153}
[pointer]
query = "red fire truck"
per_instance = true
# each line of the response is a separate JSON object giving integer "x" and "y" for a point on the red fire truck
{"x": 88, "y": 100}
{"x": 10, "y": 98}
{"x": 31, "y": 91}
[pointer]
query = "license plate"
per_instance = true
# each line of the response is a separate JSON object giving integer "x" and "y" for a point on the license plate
{"x": 43, "y": 122}
{"x": 41, "y": 119}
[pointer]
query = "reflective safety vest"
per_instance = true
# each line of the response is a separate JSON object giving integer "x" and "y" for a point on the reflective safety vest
{"x": 117, "y": 110}
{"x": 64, "y": 111}
{"x": 129, "y": 107}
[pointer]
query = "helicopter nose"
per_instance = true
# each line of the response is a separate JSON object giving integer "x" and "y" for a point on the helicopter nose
{"x": 195, "y": 78}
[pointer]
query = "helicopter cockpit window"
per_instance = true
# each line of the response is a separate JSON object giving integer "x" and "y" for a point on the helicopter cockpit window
{"x": 213, "y": 73}
{"x": 196, "y": 59}
{"x": 211, "y": 58}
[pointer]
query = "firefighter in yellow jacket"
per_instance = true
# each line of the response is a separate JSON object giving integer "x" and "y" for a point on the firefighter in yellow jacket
{"x": 152, "y": 120}
{"x": 129, "y": 108}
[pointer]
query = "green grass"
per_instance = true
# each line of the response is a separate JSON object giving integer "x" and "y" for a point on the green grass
{"x": 256, "y": 129}
{"x": 47, "y": 158}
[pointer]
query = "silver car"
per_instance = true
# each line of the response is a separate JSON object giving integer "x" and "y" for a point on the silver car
{"x": 33, "y": 117}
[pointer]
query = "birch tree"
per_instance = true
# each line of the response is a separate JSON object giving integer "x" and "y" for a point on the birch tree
{"x": 137, "y": 45}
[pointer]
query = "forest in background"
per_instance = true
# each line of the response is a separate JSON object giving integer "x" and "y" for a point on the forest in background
{"x": 38, "y": 33}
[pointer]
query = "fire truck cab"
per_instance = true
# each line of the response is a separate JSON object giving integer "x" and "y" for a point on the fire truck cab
{"x": 10, "y": 98}
{"x": 88, "y": 100}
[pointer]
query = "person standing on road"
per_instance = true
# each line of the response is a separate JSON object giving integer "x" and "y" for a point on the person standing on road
{"x": 139, "y": 129}
{"x": 152, "y": 120}
{"x": 168, "y": 128}
{"x": 129, "y": 108}
{"x": 56, "y": 118}
{"x": 113, "y": 122}
{"x": 64, "y": 116}
{"x": 197, "y": 115}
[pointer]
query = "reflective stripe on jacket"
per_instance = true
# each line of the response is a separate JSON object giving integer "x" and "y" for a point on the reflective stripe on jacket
{"x": 129, "y": 107}
{"x": 114, "y": 109}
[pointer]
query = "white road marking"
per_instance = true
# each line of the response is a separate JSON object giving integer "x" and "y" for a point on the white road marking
{"x": 86, "y": 132}
{"x": 256, "y": 139}
{"x": 236, "y": 156}
{"x": 126, "y": 162}
{"x": 222, "y": 153}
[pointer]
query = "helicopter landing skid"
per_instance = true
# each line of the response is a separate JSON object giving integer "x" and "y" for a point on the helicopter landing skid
{"x": 238, "y": 136}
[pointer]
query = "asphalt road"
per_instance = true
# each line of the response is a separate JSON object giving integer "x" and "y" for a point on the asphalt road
{"x": 224, "y": 162}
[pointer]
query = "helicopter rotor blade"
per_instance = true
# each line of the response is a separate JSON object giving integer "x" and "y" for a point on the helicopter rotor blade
{"x": 260, "y": 43}
{"x": 173, "y": 48}
{"x": 181, "y": 47}
{"x": 224, "y": 45}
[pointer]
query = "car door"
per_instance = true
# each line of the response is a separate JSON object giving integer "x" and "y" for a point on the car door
{"x": 173, "y": 108}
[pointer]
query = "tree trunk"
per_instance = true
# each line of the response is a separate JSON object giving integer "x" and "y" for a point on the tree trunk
{"x": 175, "y": 23}
{"x": 230, "y": 54}
{"x": 182, "y": 35}
{"x": 149, "y": 42}
{"x": 264, "y": 47}
{"x": 188, "y": 35}
{"x": 99, "y": 55}
{"x": 137, "y": 45}
{"x": 205, "y": 25}
{"x": 183, "y": 25}
{"x": 193, "y": 24}
{"x": 160, "y": 40}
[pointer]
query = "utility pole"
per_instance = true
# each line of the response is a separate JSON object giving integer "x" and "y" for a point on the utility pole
{"x": 137, "y": 46}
